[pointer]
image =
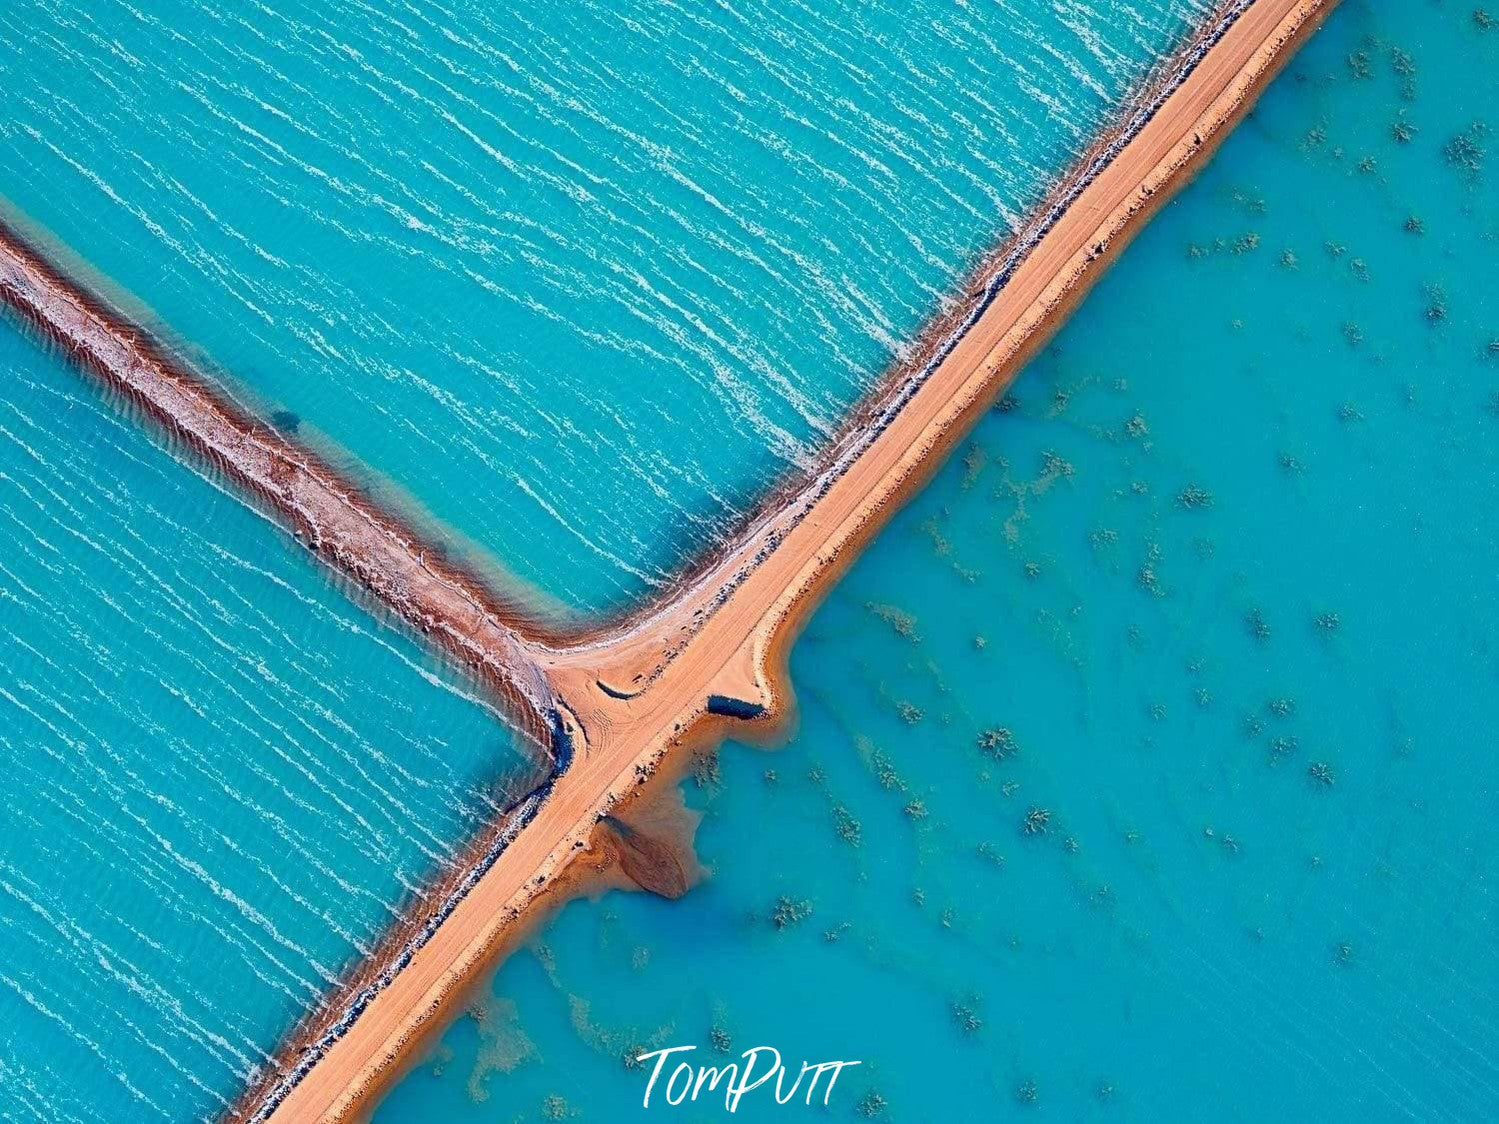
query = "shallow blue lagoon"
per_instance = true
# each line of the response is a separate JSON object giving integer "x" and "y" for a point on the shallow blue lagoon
{"x": 1209, "y": 603}
{"x": 221, "y": 778}
{"x": 581, "y": 278}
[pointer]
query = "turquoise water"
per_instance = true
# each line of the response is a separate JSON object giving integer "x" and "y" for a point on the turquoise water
{"x": 222, "y": 778}
{"x": 1236, "y": 524}
{"x": 581, "y": 279}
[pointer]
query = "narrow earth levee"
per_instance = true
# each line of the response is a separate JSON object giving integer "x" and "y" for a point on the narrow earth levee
{"x": 614, "y": 703}
{"x": 324, "y": 510}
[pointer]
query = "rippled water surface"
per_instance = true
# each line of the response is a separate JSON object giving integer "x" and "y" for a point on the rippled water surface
{"x": 221, "y": 777}
{"x": 1225, "y": 571}
{"x": 581, "y": 278}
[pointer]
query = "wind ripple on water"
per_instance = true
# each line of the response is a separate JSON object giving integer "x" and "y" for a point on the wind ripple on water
{"x": 222, "y": 780}
{"x": 583, "y": 279}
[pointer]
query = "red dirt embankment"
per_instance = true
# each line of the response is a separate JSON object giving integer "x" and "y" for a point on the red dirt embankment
{"x": 615, "y": 702}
